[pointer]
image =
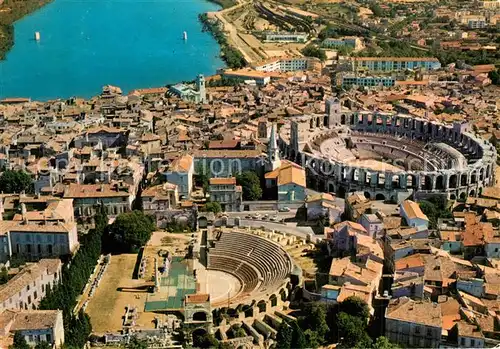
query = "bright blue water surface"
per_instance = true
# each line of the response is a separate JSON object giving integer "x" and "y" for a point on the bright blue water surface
{"x": 86, "y": 44}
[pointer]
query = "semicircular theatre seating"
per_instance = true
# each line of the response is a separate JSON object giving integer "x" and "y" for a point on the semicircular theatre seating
{"x": 250, "y": 257}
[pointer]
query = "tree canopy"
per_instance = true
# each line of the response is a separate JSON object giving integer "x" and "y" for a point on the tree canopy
{"x": 201, "y": 178}
{"x": 284, "y": 336}
{"x": 355, "y": 306}
{"x": 212, "y": 206}
{"x": 352, "y": 332}
{"x": 136, "y": 343}
{"x": 435, "y": 208}
{"x": 19, "y": 342}
{"x": 314, "y": 51}
{"x": 15, "y": 182}
{"x": 43, "y": 345}
{"x": 4, "y": 276}
{"x": 130, "y": 231}
{"x": 205, "y": 340}
{"x": 250, "y": 184}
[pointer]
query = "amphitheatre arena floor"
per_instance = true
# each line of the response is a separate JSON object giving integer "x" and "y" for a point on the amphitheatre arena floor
{"x": 375, "y": 165}
{"x": 220, "y": 285}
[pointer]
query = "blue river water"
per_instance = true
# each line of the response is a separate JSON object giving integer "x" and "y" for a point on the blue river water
{"x": 86, "y": 44}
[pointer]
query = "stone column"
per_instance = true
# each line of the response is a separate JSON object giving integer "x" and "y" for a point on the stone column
{"x": 418, "y": 180}
{"x": 388, "y": 180}
{"x": 362, "y": 176}
{"x": 403, "y": 181}
{"x": 433, "y": 180}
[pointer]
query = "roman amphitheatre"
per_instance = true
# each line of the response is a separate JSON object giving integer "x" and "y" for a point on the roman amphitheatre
{"x": 388, "y": 156}
{"x": 210, "y": 281}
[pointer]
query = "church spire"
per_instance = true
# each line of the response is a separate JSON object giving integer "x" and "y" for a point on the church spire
{"x": 273, "y": 153}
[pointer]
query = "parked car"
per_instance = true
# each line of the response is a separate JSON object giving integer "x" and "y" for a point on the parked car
{"x": 274, "y": 218}
{"x": 285, "y": 209}
{"x": 256, "y": 216}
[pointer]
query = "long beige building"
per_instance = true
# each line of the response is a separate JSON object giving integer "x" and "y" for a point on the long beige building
{"x": 28, "y": 287}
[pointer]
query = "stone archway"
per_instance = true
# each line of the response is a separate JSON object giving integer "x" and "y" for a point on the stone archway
{"x": 453, "y": 181}
{"x": 395, "y": 181}
{"x": 331, "y": 188}
{"x": 200, "y": 316}
{"x": 283, "y": 295}
{"x": 380, "y": 197}
{"x": 440, "y": 182}
{"x": 473, "y": 177}
{"x": 463, "y": 179}
{"x": 198, "y": 336}
{"x": 273, "y": 300}
{"x": 262, "y": 306}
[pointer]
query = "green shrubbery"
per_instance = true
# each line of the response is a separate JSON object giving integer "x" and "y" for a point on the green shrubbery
{"x": 75, "y": 276}
{"x": 233, "y": 58}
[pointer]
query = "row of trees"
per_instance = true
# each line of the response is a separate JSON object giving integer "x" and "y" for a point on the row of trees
{"x": 75, "y": 275}
{"x": 321, "y": 325}
{"x": 233, "y": 58}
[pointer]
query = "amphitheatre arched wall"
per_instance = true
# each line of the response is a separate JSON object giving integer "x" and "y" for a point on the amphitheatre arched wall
{"x": 435, "y": 158}
{"x": 261, "y": 265}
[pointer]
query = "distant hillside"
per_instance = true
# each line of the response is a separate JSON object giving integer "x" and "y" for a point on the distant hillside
{"x": 11, "y": 11}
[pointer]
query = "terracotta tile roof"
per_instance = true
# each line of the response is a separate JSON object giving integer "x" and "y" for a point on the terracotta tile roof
{"x": 27, "y": 275}
{"x": 349, "y": 290}
{"x": 94, "y": 191}
{"x": 198, "y": 298}
{"x": 181, "y": 164}
{"x": 412, "y": 210}
{"x": 227, "y": 181}
{"x": 413, "y": 261}
{"x": 223, "y": 144}
{"x": 36, "y": 319}
{"x": 420, "y": 312}
{"x": 212, "y": 153}
{"x": 349, "y": 224}
{"x": 450, "y": 312}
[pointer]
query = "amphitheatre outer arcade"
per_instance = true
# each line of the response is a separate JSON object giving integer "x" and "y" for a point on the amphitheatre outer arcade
{"x": 387, "y": 156}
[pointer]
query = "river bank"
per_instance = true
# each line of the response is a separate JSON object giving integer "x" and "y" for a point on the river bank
{"x": 87, "y": 44}
{"x": 11, "y": 11}
{"x": 233, "y": 57}
{"x": 224, "y": 3}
